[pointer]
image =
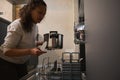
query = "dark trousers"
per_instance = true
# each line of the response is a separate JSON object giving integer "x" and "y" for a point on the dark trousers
{"x": 11, "y": 71}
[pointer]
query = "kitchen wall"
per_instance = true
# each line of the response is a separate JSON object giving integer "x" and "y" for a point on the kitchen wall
{"x": 6, "y": 8}
{"x": 102, "y": 20}
{"x": 76, "y": 12}
{"x": 59, "y": 17}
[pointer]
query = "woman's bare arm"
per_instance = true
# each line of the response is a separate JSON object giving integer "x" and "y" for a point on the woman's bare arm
{"x": 23, "y": 52}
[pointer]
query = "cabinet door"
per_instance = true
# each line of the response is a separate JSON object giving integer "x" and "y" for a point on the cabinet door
{"x": 3, "y": 31}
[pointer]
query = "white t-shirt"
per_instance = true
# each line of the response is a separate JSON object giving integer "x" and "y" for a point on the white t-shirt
{"x": 17, "y": 38}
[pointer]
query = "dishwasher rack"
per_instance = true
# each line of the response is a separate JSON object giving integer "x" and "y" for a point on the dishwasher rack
{"x": 71, "y": 66}
{"x": 40, "y": 73}
{"x": 49, "y": 71}
{"x": 68, "y": 69}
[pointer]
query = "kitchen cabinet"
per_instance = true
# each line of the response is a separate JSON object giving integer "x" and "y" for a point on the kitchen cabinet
{"x": 3, "y": 29}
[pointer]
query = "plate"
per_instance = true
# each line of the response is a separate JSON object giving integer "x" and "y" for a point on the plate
{"x": 43, "y": 46}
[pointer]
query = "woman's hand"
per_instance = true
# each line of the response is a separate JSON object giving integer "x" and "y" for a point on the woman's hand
{"x": 36, "y": 51}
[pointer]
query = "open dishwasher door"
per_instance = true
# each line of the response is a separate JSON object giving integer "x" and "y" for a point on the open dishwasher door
{"x": 32, "y": 75}
{"x": 44, "y": 73}
{"x": 36, "y": 74}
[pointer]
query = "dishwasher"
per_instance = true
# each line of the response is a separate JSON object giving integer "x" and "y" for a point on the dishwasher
{"x": 49, "y": 71}
{"x": 68, "y": 69}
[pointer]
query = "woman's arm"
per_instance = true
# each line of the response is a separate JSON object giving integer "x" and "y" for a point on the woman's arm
{"x": 23, "y": 52}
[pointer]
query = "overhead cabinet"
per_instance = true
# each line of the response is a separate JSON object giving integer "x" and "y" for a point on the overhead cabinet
{"x": 16, "y": 2}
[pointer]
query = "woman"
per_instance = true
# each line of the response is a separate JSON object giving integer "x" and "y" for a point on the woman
{"x": 20, "y": 41}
